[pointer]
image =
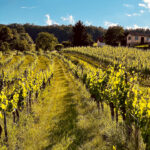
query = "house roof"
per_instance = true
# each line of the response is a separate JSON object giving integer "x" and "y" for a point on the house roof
{"x": 139, "y": 34}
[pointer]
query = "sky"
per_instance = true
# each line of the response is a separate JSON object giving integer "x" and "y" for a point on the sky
{"x": 104, "y": 13}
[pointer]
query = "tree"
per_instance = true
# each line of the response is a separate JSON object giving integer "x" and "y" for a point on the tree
{"x": 46, "y": 41}
{"x": 5, "y": 34}
{"x": 62, "y": 32}
{"x": 114, "y": 35}
{"x": 66, "y": 44}
{"x": 20, "y": 45}
{"x": 4, "y": 46}
{"x": 18, "y": 27}
{"x": 14, "y": 38}
{"x": 89, "y": 40}
{"x": 80, "y": 35}
{"x": 21, "y": 41}
{"x": 25, "y": 36}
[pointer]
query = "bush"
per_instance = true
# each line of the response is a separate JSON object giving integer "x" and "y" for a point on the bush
{"x": 21, "y": 45}
{"x": 59, "y": 47}
{"x": 114, "y": 35}
{"x": 46, "y": 41}
{"x": 66, "y": 44}
{"x": 4, "y": 46}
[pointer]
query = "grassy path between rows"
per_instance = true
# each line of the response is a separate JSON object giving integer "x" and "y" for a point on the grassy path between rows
{"x": 67, "y": 118}
{"x": 69, "y": 127}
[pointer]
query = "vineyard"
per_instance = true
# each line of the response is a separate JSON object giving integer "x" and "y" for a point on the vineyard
{"x": 80, "y": 98}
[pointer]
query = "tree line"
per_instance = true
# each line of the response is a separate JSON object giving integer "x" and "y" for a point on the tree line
{"x": 62, "y": 32}
{"x": 17, "y": 39}
{"x": 22, "y": 37}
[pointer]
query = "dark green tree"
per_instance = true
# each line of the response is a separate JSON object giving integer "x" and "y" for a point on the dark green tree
{"x": 66, "y": 44}
{"x": 89, "y": 39}
{"x": 14, "y": 39}
{"x": 4, "y": 46}
{"x": 114, "y": 35}
{"x": 46, "y": 41}
{"x": 62, "y": 32}
{"x": 5, "y": 34}
{"x": 21, "y": 41}
{"x": 25, "y": 36}
{"x": 15, "y": 34}
{"x": 80, "y": 35}
{"x": 20, "y": 45}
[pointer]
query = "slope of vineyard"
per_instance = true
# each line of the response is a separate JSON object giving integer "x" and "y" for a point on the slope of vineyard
{"x": 98, "y": 84}
{"x": 22, "y": 79}
{"x": 143, "y": 78}
{"x": 133, "y": 59}
{"x": 52, "y": 100}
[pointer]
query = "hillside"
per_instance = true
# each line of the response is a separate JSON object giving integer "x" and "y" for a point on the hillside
{"x": 63, "y": 33}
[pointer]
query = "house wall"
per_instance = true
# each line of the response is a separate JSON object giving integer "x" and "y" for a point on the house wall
{"x": 133, "y": 41}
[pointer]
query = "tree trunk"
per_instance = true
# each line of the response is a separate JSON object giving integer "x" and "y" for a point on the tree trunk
{"x": 5, "y": 127}
{"x": 98, "y": 106}
{"x": 1, "y": 130}
{"x": 36, "y": 96}
{"x": 123, "y": 109}
{"x": 112, "y": 110}
{"x": 27, "y": 104}
{"x": 30, "y": 101}
{"x": 14, "y": 117}
{"x": 102, "y": 106}
{"x": 136, "y": 138}
{"x": 116, "y": 115}
{"x": 17, "y": 114}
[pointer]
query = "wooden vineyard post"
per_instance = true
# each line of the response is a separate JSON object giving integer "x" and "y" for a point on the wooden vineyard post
{"x": 5, "y": 127}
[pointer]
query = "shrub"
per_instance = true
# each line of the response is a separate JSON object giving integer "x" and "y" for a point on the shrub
{"x": 66, "y": 44}
{"x": 59, "y": 47}
{"x": 46, "y": 41}
{"x": 21, "y": 45}
{"x": 4, "y": 46}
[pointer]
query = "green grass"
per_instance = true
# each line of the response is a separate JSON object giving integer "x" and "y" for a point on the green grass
{"x": 143, "y": 46}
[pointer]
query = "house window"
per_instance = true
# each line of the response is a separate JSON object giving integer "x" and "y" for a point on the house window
{"x": 136, "y": 37}
{"x": 148, "y": 38}
{"x": 129, "y": 38}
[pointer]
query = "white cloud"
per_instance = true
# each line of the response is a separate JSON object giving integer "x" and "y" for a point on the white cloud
{"x": 49, "y": 21}
{"x": 142, "y": 5}
{"x": 145, "y": 4}
{"x": 127, "y": 5}
{"x": 88, "y": 23}
{"x": 129, "y": 15}
{"x": 142, "y": 11}
{"x": 135, "y": 26}
{"x": 109, "y": 24}
{"x": 70, "y": 19}
{"x": 135, "y": 14}
{"x": 24, "y": 7}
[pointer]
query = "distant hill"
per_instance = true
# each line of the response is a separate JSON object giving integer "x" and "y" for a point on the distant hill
{"x": 63, "y": 32}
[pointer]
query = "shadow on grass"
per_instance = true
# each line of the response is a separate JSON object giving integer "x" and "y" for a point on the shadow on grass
{"x": 67, "y": 126}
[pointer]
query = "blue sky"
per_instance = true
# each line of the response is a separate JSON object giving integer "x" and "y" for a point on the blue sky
{"x": 127, "y": 13}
